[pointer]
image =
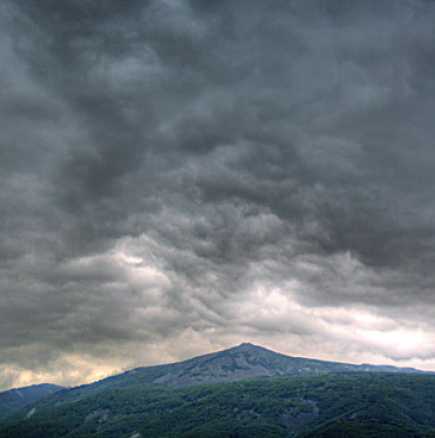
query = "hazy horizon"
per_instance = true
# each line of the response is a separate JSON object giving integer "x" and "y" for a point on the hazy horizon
{"x": 182, "y": 176}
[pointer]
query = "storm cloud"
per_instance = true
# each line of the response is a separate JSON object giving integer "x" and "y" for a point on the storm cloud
{"x": 180, "y": 176}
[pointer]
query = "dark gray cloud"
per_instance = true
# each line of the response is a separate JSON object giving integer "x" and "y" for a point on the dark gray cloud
{"x": 181, "y": 175}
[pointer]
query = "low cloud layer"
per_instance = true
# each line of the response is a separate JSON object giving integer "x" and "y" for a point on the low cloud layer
{"x": 180, "y": 176}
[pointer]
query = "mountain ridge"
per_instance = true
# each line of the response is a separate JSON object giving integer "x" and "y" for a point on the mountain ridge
{"x": 248, "y": 360}
{"x": 243, "y": 361}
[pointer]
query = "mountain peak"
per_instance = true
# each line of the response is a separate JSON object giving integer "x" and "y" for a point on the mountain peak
{"x": 252, "y": 350}
{"x": 246, "y": 346}
{"x": 243, "y": 361}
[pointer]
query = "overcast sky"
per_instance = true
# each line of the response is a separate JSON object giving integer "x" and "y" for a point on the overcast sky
{"x": 181, "y": 176}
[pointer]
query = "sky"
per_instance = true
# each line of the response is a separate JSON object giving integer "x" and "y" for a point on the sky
{"x": 181, "y": 176}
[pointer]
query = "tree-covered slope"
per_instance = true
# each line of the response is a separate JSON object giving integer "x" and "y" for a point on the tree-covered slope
{"x": 17, "y": 398}
{"x": 329, "y": 405}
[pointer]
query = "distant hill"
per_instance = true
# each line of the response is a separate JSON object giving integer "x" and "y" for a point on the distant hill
{"x": 17, "y": 398}
{"x": 244, "y": 361}
{"x": 245, "y": 391}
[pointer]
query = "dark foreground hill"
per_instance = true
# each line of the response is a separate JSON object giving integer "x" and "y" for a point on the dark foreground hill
{"x": 330, "y": 405}
{"x": 18, "y": 398}
{"x": 246, "y": 391}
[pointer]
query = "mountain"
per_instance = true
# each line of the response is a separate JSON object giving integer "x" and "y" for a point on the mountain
{"x": 244, "y": 361}
{"x": 17, "y": 398}
{"x": 245, "y": 391}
